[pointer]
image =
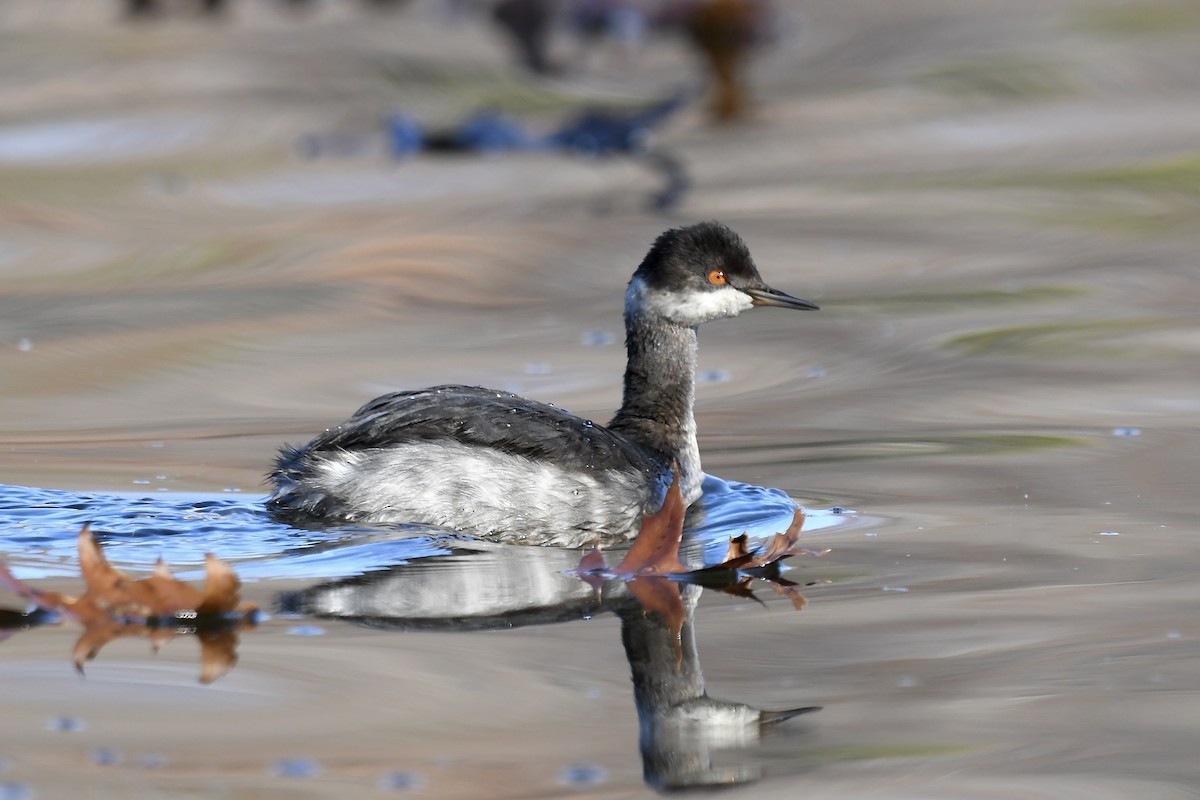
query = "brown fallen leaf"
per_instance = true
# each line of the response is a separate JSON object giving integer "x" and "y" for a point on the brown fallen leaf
{"x": 655, "y": 553}
{"x": 158, "y": 608}
{"x": 221, "y": 594}
{"x": 46, "y": 601}
{"x": 781, "y": 544}
{"x": 738, "y": 548}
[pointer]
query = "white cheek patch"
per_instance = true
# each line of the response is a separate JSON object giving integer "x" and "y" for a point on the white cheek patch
{"x": 692, "y": 309}
{"x": 687, "y": 308}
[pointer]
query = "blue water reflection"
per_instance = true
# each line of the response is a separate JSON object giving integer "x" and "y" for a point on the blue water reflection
{"x": 38, "y": 528}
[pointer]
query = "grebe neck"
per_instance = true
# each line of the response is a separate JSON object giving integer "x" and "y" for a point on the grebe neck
{"x": 660, "y": 378}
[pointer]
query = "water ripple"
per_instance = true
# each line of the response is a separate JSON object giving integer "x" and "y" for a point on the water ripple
{"x": 38, "y": 530}
{"x": 39, "y": 527}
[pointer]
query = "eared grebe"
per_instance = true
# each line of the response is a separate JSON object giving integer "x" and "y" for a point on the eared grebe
{"x": 506, "y": 468}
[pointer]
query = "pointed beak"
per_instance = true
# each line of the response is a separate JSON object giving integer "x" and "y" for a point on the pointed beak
{"x": 766, "y": 296}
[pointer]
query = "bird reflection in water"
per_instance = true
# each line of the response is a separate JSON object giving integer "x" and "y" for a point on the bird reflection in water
{"x": 477, "y": 585}
{"x": 680, "y": 725}
{"x": 498, "y": 586}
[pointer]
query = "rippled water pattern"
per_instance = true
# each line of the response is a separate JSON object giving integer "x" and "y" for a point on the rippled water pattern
{"x": 40, "y": 527}
{"x": 997, "y": 208}
{"x": 38, "y": 530}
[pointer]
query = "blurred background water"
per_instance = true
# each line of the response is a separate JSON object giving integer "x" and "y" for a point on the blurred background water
{"x": 225, "y": 226}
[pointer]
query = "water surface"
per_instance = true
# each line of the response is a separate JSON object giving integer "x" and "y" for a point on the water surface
{"x": 996, "y": 208}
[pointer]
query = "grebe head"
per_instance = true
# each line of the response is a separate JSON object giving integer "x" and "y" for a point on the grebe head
{"x": 700, "y": 273}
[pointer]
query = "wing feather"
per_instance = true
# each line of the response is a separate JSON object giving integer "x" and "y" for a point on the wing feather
{"x": 473, "y": 415}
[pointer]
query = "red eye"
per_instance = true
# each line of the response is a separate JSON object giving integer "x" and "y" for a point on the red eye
{"x": 717, "y": 277}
